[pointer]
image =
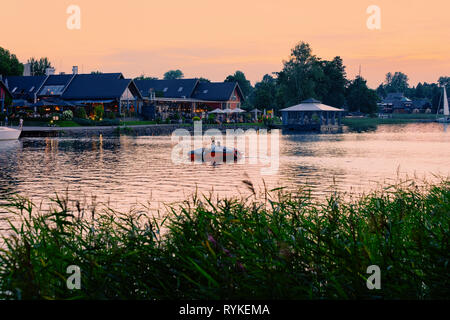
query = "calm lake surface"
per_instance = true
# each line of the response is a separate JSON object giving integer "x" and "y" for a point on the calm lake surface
{"x": 124, "y": 171}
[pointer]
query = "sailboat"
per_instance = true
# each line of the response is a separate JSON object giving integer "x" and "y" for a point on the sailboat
{"x": 446, "y": 118}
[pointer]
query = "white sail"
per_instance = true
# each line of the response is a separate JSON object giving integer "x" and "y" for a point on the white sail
{"x": 446, "y": 111}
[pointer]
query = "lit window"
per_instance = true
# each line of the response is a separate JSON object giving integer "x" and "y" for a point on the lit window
{"x": 52, "y": 90}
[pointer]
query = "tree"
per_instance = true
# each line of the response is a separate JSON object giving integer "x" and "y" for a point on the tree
{"x": 334, "y": 83}
{"x": 381, "y": 91}
{"x": 444, "y": 81}
{"x": 301, "y": 75}
{"x": 244, "y": 84}
{"x": 96, "y": 72}
{"x": 201, "y": 79}
{"x": 360, "y": 97}
{"x": 173, "y": 74}
{"x": 38, "y": 67}
{"x": 264, "y": 93}
{"x": 397, "y": 82}
{"x": 9, "y": 64}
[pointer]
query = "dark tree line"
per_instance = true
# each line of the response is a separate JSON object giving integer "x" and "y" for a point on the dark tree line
{"x": 304, "y": 76}
{"x": 9, "y": 64}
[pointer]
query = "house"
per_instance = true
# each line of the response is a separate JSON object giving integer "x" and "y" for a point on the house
{"x": 115, "y": 93}
{"x": 111, "y": 90}
{"x": 395, "y": 103}
{"x": 421, "y": 104}
{"x": 223, "y": 95}
{"x": 5, "y": 94}
{"x": 189, "y": 97}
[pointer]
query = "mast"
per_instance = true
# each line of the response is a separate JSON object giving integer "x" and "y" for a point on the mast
{"x": 446, "y": 111}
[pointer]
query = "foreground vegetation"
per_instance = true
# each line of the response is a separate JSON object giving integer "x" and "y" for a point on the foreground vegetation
{"x": 270, "y": 245}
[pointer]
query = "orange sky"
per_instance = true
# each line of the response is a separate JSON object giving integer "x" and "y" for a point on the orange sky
{"x": 213, "y": 38}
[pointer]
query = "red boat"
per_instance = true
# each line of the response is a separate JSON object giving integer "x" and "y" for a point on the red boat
{"x": 215, "y": 154}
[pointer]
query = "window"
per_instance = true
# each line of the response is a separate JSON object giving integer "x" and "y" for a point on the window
{"x": 180, "y": 89}
{"x": 205, "y": 91}
{"x": 51, "y": 90}
{"x": 14, "y": 90}
{"x": 165, "y": 89}
{"x": 32, "y": 88}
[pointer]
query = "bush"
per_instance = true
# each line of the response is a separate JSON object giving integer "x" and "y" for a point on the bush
{"x": 80, "y": 113}
{"x": 196, "y": 118}
{"x": 67, "y": 115}
{"x": 99, "y": 112}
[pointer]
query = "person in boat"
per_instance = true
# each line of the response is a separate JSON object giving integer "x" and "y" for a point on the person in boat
{"x": 213, "y": 144}
{"x": 213, "y": 150}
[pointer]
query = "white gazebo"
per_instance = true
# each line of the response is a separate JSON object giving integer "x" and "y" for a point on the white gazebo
{"x": 311, "y": 113}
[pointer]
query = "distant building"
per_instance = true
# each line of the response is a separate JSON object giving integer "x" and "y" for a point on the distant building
{"x": 312, "y": 115}
{"x": 111, "y": 90}
{"x": 421, "y": 104}
{"x": 395, "y": 103}
{"x": 188, "y": 97}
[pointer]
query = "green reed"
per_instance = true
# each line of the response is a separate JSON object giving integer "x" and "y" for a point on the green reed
{"x": 273, "y": 245}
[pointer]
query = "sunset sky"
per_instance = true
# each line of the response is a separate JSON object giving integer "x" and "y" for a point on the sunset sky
{"x": 212, "y": 38}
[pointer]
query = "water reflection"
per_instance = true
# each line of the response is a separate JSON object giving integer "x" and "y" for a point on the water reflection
{"x": 128, "y": 170}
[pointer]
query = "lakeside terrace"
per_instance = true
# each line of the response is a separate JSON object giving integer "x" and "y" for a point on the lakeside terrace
{"x": 163, "y": 99}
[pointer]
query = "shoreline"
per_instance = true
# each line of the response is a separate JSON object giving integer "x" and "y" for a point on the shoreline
{"x": 147, "y": 129}
{"x": 352, "y": 124}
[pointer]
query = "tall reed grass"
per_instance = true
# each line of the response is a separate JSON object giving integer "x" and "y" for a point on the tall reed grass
{"x": 275, "y": 245}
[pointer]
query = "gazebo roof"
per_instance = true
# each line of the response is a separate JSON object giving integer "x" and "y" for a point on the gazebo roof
{"x": 311, "y": 105}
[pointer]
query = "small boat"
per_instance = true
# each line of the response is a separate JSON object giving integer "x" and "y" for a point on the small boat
{"x": 9, "y": 133}
{"x": 446, "y": 118}
{"x": 216, "y": 154}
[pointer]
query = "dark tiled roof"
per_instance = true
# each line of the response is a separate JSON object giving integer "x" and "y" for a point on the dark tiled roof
{"x": 98, "y": 87}
{"x": 215, "y": 91}
{"x": 24, "y": 84}
{"x": 177, "y": 88}
{"x": 55, "y": 85}
{"x": 58, "y": 80}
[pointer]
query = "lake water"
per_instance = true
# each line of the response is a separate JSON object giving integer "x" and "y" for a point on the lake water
{"x": 127, "y": 170}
